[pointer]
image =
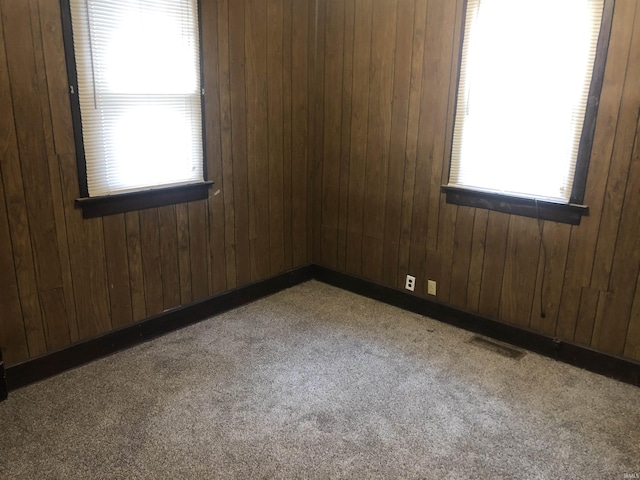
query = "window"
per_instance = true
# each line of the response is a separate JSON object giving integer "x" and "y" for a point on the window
{"x": 526, "y": 105}
{"x": 134, "y": 69}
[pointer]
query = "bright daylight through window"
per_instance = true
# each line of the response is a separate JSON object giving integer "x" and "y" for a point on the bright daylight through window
{"x": 525, "y": 75}
{"x": 138, "y": 72}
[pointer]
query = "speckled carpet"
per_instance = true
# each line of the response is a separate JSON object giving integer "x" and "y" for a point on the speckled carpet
{"x": 315, "y": 382}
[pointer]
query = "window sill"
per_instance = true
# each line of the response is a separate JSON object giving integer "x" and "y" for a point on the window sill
{"x": 528, "y": 207}
{"x": 93, "y": 207}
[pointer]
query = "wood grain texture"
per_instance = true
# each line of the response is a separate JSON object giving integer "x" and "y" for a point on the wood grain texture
{"x": 275, "y": 122}
{"x": 359, "y": 124}
{"x": 224, "y": 88}
{"x": 88, "y": 258}
{"x": 334, "y": 66}
{"x": 300, "y": 38}
{"x": 398, "y": 139}
{"x": 584, "y": 238}
{"x": 463, "y": 237}
{"x": 549, "y": 277}
{"x": 345, "y": 132}
{"x": 151, "y": 261}
{"x": 117, "y": 261}
{"x": 136, "y": 272}
{"x": 70, "y": 278}
{"x": 626, "y": 261}
{"x": 213, "y": 141}
{"x": 198, "y": 248}
{"x": 487, "y": 262}
{"x": 184, "y": 253}
{"x": 476, "y": 261}
{"x": 12, "y": 336}
{"x": 287, "y": 131}
{"x": 257, "y": 137}
{"x": 632, "y": 344}
{"x": 328, "y": 128}
{"x": 169, "y": 256}
{"x": 410, "y": 169}
{"x": 239, "y": 139}
{"x": 317, "y": 22}
{"x": 378, "y": 135}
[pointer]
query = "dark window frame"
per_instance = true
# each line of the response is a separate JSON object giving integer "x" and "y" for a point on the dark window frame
{"x": 572, "y": 211}
{"x": 140, "y": 199}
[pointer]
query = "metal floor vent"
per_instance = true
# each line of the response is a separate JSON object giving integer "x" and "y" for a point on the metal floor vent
{"x": 497, "y": 347}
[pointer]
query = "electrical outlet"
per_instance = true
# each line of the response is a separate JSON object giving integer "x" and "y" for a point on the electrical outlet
{"x": 410, "y": 284}
{"x": 431, "y": 287}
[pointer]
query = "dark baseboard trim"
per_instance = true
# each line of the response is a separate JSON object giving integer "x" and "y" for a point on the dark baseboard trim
{"x": 86, "y": 351}
{"x": 621, "y": 369}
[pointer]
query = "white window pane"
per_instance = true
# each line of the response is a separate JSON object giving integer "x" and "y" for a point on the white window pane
{"x": 524, "y": 86}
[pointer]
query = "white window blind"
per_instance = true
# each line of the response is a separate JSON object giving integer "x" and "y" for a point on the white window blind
{"x": 138, "y": 66}
{"x": 525, "y": 73}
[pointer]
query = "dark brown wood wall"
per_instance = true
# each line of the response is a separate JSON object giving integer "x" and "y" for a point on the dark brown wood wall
{"x": 387, "y": 77}
{"x": 326, "y": 145}
{"x": 64, "y": 279}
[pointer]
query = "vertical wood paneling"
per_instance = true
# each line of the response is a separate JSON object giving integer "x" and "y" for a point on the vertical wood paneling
{"x": 476, "y": 261}
{"x": 15, "y": 253}
{"x": 169, "y": 256}
{"x": 317, "y": 22}
{"x": 62, "y": 134}
{"x": 31, "y": 141}
{"x": 198, "y": 249}
{"x": 287, "y": 140}
{"x": 378, "y": 135}
{"x": 225, "y": 141}
{"x": 410, "y": 169}
{"x": 70, "y": 278}
{"x": 520, "y": 266}
{"x": 453, "y": 16}
{"x": 184, "y": 253}
{"x": 117, "y": 261}
{"x": 632, "y": 344}
{"x": 359, "y": 135}
{"x": 334, "y": 61}
{"x": 487, "y": 262}
{"x": 275, "y": 107}
{"x": 461, "y": 256}
{"x": 626, "y": 262}
{"x": 216, "y": 205}
{"x": 239, "y": 139}
{"x": 398, "y": 140}
{"x": 20, "y": 61}
{"x": 151, "y": 261}
{"x": 257, "y": 137}
{"x": 12, "y": 335}
{"x": 87, "y": 255}
{"x": 619, "y": 167}
{"x": 300, "y": 115}
{"x": 328, "y": 129}
{"x": 136, "y": 272}
{"x": 345, "y": 133}
{"x": 583, "y": 240}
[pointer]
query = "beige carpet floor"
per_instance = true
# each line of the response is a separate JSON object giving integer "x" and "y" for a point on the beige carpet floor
{"x": 315, "y": 382}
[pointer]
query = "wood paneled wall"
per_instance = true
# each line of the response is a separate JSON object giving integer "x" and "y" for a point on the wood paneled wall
{"x": 387, "y": 77}
{"x": 64, "y": 279}
{"x": 328, "y": 126}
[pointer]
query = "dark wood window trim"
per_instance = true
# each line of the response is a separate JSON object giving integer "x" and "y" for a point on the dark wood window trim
{"x": 528, "y": 207}
{"x": 157, "y": 197}
{"x": 124, "y": 202}
{"x": 570, "y": 212}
